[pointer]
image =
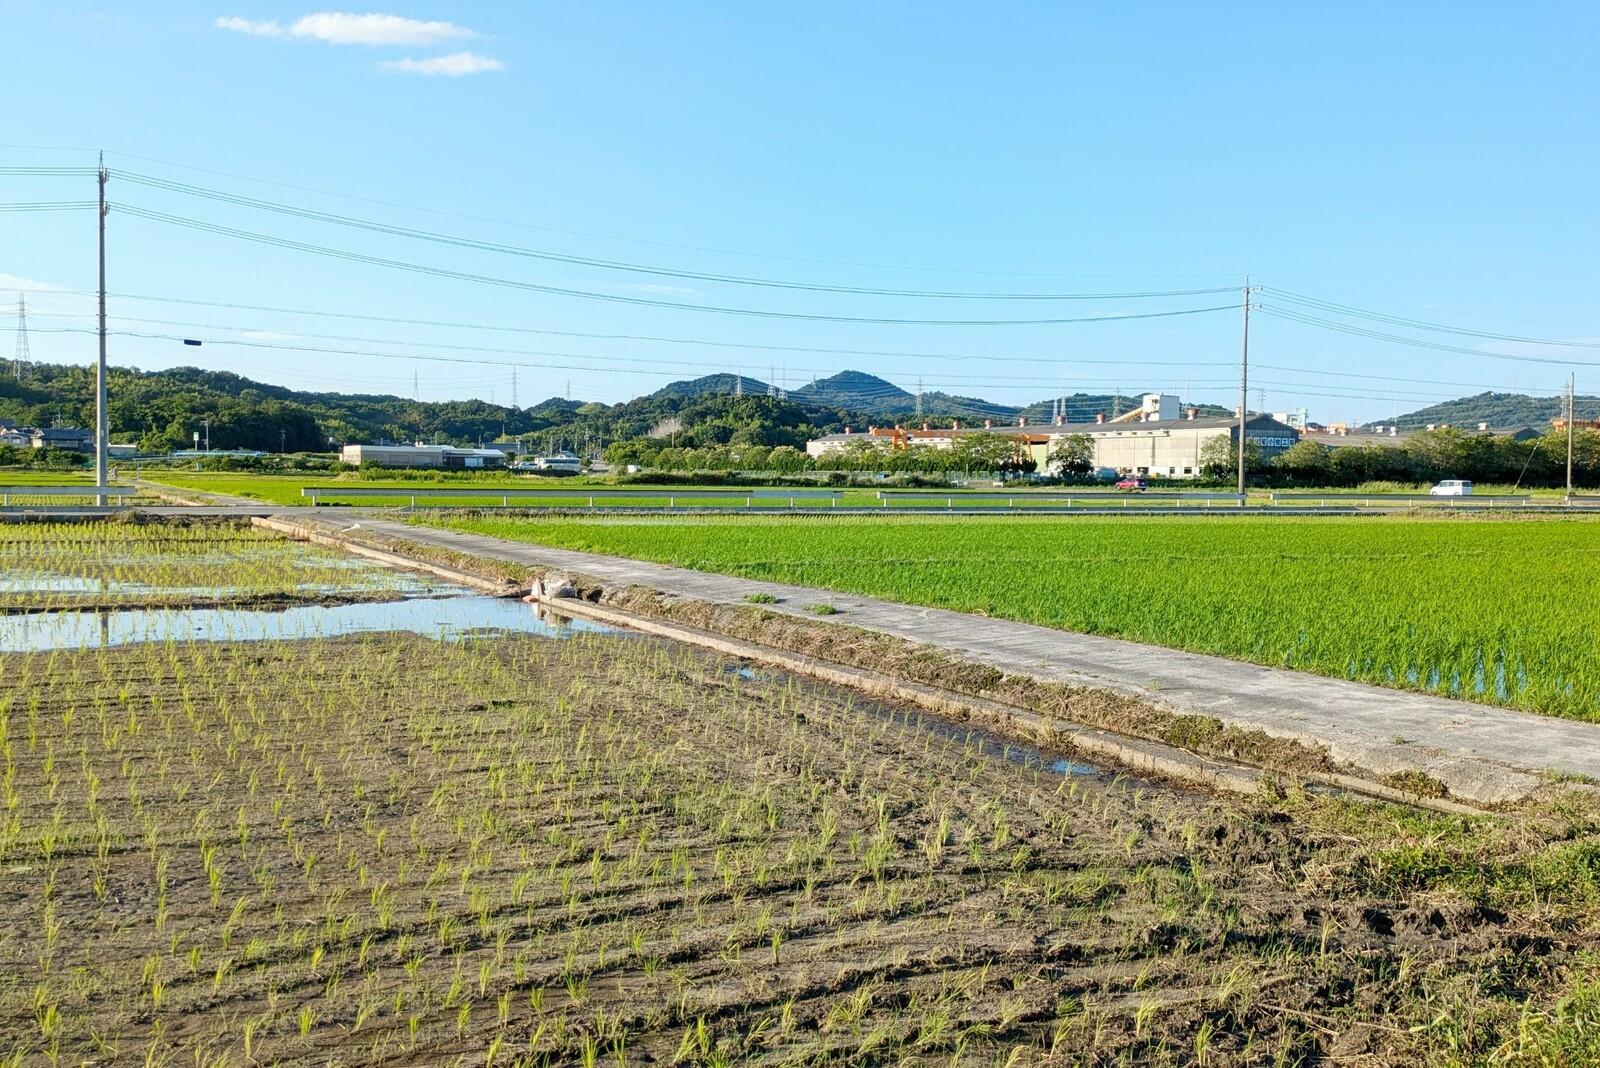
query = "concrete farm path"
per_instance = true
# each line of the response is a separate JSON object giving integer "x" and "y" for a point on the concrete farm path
{"x": 1480, "y": 752}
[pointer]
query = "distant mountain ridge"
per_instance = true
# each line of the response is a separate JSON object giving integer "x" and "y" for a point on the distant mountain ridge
{"x": 868, "y": 395}
{"x": 1496, "y": 409}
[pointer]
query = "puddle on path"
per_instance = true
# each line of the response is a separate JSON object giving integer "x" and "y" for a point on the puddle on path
{"x": 446, "y": 618}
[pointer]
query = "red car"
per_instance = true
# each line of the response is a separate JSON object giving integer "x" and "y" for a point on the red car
{"x": 1133, "y": 485}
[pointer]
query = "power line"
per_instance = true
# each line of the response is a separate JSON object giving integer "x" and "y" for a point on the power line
{"x": 616, "y": 265}
{"x": 1357, "y": 331}
{"x": 1418, "y": 324}
{"x": 923, "y": 268}
{"x": 463, "y": 276}
{"x": 956, "y": 382}
{"x": 456, "y": 325}
{"x": 1390, "y": 378}
{"x": 47, "y": 205}
{"x": 891, "y": 391}
{"x": 1370, "y": 299}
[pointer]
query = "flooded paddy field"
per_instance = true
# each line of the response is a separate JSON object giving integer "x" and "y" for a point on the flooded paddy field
{"x": 501, "y": 841}
{"x": 87, "y": 566}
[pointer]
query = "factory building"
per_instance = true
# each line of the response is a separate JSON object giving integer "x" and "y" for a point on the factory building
{"x": 1156, "y": 439}
{"x": 443, "y": 456}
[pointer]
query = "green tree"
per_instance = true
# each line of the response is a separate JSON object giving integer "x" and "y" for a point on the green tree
{"x": 1305, "y": 461}
{"x": 1219, "y": 457}
{"x": 1072, "y": 455}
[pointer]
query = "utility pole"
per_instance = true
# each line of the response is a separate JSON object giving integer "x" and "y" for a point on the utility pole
{"x": 100, "y": 374}
{"x": 207, "y": 422}
{"x": 1244, "y": 384}
{"x": 1572, "y": 381}
{"x": 100, "y": 422}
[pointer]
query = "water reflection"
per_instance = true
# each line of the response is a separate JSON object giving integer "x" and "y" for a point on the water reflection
{"x": 445, "y": 618}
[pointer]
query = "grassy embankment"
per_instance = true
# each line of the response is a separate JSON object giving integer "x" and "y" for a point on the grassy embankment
{"x": 1500, "y": 612}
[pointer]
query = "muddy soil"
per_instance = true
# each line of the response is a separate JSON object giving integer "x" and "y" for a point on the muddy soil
{"x": 393, "y": 849}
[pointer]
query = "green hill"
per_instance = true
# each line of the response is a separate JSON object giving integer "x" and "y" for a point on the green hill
{"x": 857, "y": 391}
{"x": 1496, "y": 409}
{"x": 713, "y": 384}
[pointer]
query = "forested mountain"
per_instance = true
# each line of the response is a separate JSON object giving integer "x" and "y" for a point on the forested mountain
{"x": 1496, "y": 409}
{"x": 857, "y": 392}
{"x": 162, "y": 410}
{"x": 718, "y": 383}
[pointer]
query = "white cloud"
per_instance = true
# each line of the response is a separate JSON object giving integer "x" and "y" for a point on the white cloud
{"x": 454, "y": 65}
{"x": 339, "y": 27}
{"x": 254, "y": 29}
{"x": 342, "y": 27}
{"x": 27, "y": 285}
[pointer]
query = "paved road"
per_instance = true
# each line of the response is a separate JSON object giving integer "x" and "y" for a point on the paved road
{"x": 1482, "y": 753}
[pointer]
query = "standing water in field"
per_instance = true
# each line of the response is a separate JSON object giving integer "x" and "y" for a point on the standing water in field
{"x": 436, "y": 617}
{"x": 85, "y": 586}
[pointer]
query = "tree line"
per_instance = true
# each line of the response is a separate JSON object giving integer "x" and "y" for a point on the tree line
{"x": 1426, "y": 456}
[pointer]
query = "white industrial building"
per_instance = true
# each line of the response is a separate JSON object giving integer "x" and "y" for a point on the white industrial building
{"x": 445, "y": 456}
{"x": 1156, "y": 439}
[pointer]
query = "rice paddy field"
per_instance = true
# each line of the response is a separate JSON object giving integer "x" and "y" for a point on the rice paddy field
{"x": 285, "y": 489}
{"x": 85, "y": 566}
{"x": 11, "y": 477}
{"x": 1504, "y": 612}
{"x": 516, "y": 843}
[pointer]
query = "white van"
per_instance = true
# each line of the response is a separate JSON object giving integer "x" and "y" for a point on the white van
{"x": 1452, "y": 487}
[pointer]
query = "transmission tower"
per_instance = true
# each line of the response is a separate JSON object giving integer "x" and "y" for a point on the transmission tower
{"x": 738, "y": 385}
{"x": 513, "y": 387}
{"x": 919, "y": 396}
{"x": 22, "y": 355}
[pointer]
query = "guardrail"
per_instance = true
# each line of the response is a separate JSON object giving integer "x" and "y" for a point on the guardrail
{"x": 1369, "y": 500}
{"x": 672, "y": 494}
{"x": 1089, "y": 497}
{"x": 119, "y": 492}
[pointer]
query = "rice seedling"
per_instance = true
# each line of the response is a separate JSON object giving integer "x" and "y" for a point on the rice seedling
{"x": 1481, "y": 609}
{"x": 606, "y": 849}
{"x": 82, "y": 566}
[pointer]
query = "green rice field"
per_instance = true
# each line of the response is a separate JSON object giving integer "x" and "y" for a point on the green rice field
{"x": 1504, "y": 612}
{"x": 46, "y": 478}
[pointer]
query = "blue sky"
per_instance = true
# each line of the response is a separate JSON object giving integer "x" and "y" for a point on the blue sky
{"x": 1431, "y": 161}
